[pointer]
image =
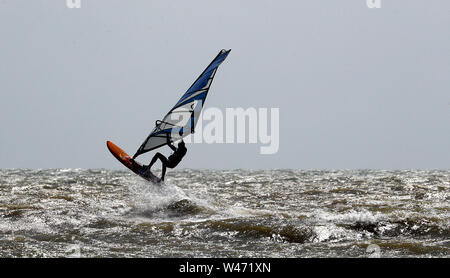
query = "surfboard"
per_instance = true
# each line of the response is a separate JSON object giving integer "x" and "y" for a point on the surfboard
{"x": 136, "y": 167}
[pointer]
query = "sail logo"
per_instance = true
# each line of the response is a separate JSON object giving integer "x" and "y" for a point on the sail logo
{"x": 71, "y": 4}
{"x": 236, "y": 125}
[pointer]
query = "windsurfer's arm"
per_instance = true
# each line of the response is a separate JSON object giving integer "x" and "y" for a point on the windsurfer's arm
{"x": 170, "y": 145}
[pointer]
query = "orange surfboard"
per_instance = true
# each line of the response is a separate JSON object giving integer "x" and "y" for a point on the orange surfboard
{"x": 136, "y": 167}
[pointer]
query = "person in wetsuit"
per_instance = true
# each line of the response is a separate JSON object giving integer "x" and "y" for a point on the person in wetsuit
{"x": 170, "y": 162}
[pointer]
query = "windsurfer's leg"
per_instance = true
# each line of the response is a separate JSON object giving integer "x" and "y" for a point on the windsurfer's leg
{"x": 156, "y": 157}
{"x": 163, "y": 171}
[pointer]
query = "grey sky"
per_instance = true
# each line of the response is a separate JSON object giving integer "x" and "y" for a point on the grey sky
{"x": 356, "y": 87}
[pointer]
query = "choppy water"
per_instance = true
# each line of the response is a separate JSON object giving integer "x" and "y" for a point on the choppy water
{"x": 205, "y": 213}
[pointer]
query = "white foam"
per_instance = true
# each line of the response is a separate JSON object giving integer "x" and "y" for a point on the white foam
{"x": 352, "y": 216}
{"x": 146, "y": 196}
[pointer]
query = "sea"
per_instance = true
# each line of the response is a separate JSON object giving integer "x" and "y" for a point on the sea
{"x": 225, "y": 214}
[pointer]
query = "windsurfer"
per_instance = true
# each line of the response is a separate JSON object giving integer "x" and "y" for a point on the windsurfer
{"x": 167, "y": 162}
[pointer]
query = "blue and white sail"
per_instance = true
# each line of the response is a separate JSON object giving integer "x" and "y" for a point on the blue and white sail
{"x": 181, "y": 120}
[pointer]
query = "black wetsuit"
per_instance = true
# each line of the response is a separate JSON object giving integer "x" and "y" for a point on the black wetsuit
{"x": 170, "y": 162}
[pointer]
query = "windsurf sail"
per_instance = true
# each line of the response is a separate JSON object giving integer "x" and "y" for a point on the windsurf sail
{"x": 180, "y": 121}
